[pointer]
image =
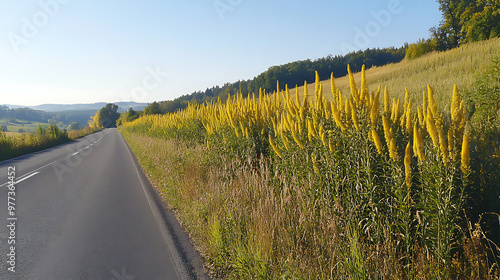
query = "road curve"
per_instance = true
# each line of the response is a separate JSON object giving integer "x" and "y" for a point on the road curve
{"x": 84, "y": 210}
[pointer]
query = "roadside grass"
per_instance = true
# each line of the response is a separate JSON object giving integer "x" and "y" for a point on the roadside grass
{"x": 233, "y": 212}
{"x": 178, "y": 174}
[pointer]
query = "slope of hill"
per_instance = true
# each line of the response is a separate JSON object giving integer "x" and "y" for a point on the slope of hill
{"x": 441, "y": 70}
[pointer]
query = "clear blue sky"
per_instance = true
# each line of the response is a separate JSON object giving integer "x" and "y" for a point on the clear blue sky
{"x": 84, "y": 51}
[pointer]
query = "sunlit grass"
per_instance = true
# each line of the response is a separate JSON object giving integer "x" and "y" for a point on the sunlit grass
{"x": 442, "y": 70}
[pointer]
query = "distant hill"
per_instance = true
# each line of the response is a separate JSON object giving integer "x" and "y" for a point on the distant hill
{"x": 62, "y": 114}
{"x": 123, "y": 106}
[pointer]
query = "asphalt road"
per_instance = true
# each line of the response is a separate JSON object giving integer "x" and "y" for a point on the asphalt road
{"x": 84, "y": 210}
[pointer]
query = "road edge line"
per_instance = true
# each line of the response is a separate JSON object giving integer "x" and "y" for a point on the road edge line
{"x": 184, "y": 268}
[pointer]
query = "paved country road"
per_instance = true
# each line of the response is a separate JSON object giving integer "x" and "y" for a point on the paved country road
{"x": 84, "y": 210}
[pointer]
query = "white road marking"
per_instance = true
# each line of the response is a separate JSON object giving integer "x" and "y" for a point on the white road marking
{"x": 5, "y": 184}
{"x": 26, "y": 177}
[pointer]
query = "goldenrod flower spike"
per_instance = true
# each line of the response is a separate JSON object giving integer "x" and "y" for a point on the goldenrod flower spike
{"x": 299, "y": 127}
{"x": 364, "y": 88}
{"x": 354, "y": 117}
{"x": 387, "y": 130}
{"x": 443, "y": 146}
{"x": 322, "y": 135}
{"x": 315, "y": 123}
{"x": 420, "y": 117}
{"x": 432, "y": 102}
{"x": 424, "y": 103}
{"x": 306, "y": 95}
{"x": 374, "y": 109}
{"x": 285, "y": 141}
{"x": 316, "y": 85}
{"x": 297, "y": 98}
{"x": 408, "y": 165}
{"x": 310, "y": 131}
{"x": 393, "y": 150}
{"x": 418, "y": 143}
{"x": 337, "y": 118}
{"x": 302, "y": 115}
{"x": 315, "y": 165}
{"x": 328, "y": 109}
{"x": 333, "y": 88}
{"x": 352, "y": 83}
{"x": 409, "y": 125}
{"x": 297, "y": 140}
{"x": 341, "y": 102}
{"x": 331, "y": 146}
{"x": 465, "y": 154}
{"x": 455, "y": 105}
{"x": 319, "y": 99}
{"x": 386, "y": 101}
{"x": 347, "y": 110}
{"x": 273, "y": 145}
{"x": 403, "y": 120}
{"x": 431, "y": 128}
{"x": 377, "y": 141}
{"x": 369, "y": 100}
{"x": 393, "y": 110}
{"x": 347, "y": 118}
{"x": 397, "y": 111}
{"x": 461, "y": 128}
{"x": 451, "y": 143}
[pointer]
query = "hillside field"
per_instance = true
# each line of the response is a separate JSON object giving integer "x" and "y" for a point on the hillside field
{"x": 441, "y": 70}
{"x": 13, "y": 126}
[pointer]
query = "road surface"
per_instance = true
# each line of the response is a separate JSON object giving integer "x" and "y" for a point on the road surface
{"x": 84, "y": 210}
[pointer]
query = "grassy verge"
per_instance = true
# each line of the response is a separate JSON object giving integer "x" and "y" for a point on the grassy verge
{"x": 242, "y": 224}
{"x": 15, "y": 145}
{"x": 178, "y": 173}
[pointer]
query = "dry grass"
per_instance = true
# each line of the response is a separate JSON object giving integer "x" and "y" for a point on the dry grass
{"x": 232, "y": 211}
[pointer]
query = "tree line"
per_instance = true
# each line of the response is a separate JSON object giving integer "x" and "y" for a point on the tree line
{"x": 464, "y": 21}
